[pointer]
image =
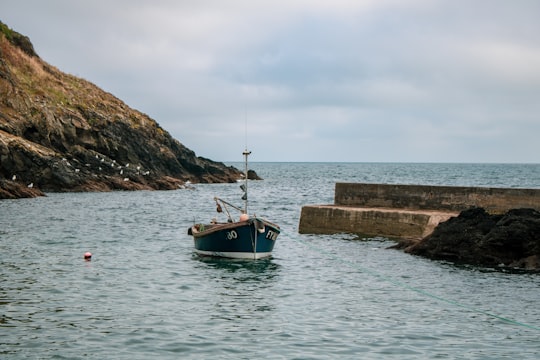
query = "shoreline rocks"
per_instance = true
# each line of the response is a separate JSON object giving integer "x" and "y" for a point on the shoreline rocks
{"x": 509, "y": 240}
{"x": 12, "y": 190}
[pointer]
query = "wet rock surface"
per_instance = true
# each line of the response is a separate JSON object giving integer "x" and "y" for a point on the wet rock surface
{"x": 478, "y": 238}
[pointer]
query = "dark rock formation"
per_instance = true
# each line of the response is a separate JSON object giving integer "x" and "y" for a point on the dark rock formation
{"x": 16, "y": 190}
{"x": 62, "y": 133}
{"x": 252, "y": 175}
{"x": 478, "y": 238}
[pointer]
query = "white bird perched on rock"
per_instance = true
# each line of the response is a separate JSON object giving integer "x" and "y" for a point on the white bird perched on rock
{"x": 14, "y": 177}
{"x": 31, "y": 185}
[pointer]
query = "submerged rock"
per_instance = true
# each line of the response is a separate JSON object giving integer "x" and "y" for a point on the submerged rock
{"x": 63, "y": 133}
{"x": 478, "y": 238}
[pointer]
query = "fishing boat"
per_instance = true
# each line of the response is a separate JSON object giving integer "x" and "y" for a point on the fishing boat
{"x": 247, "y": 237}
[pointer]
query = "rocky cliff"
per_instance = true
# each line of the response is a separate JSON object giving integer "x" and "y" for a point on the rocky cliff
{"x": 59, "y": 132}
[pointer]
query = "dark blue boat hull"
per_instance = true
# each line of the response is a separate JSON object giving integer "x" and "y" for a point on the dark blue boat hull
{"x": 251, "y": 239}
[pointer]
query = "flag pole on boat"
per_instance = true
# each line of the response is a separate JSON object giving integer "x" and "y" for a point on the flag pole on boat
{"x": 244, "y": 187}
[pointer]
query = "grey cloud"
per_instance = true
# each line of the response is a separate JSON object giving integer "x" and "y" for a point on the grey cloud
{"x": 327, "y": 81}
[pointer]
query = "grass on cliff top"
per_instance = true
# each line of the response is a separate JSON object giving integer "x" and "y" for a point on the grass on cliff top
{"x": 19, "y": 40}
{"x": 37, "y": 78}
{"x": 60, "y": 90}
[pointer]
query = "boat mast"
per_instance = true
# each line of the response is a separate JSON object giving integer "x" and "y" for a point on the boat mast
{"x": 245, "y": 197}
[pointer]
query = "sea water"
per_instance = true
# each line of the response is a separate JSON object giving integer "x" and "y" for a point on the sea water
{"x": 145, "y": 294}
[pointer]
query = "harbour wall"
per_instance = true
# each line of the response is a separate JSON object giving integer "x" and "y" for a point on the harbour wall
{"x": 405, "y": 211}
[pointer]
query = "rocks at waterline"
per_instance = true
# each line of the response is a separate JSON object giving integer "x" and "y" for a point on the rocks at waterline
{"x": 478, "y": 238}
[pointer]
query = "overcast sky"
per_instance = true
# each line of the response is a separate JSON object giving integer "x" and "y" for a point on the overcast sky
{"x": 335, "y": 80}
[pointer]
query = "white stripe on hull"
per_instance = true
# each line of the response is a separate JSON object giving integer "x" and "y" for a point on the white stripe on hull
{"x": 235, "y": 255}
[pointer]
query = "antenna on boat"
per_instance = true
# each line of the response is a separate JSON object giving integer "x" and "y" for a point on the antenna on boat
{"x": 246, "y": 153}
{"x": 245, "y": 129}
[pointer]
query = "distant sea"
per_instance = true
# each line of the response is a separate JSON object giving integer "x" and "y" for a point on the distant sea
{"x": 145, "y": 294}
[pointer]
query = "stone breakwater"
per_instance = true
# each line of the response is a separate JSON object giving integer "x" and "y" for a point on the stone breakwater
{"x": 406, "y": 211}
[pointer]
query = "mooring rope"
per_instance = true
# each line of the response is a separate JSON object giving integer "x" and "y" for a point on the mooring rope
{"x": 417, "y": 290}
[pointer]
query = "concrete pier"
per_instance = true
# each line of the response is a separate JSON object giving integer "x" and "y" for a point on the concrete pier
{"x": 405, "y": 211}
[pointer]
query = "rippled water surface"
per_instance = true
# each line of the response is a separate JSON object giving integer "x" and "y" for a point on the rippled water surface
{"x": 146, "y": 295}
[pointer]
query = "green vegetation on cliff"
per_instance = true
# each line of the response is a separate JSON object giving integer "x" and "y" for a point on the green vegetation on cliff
{"x": 59, "y": 132}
